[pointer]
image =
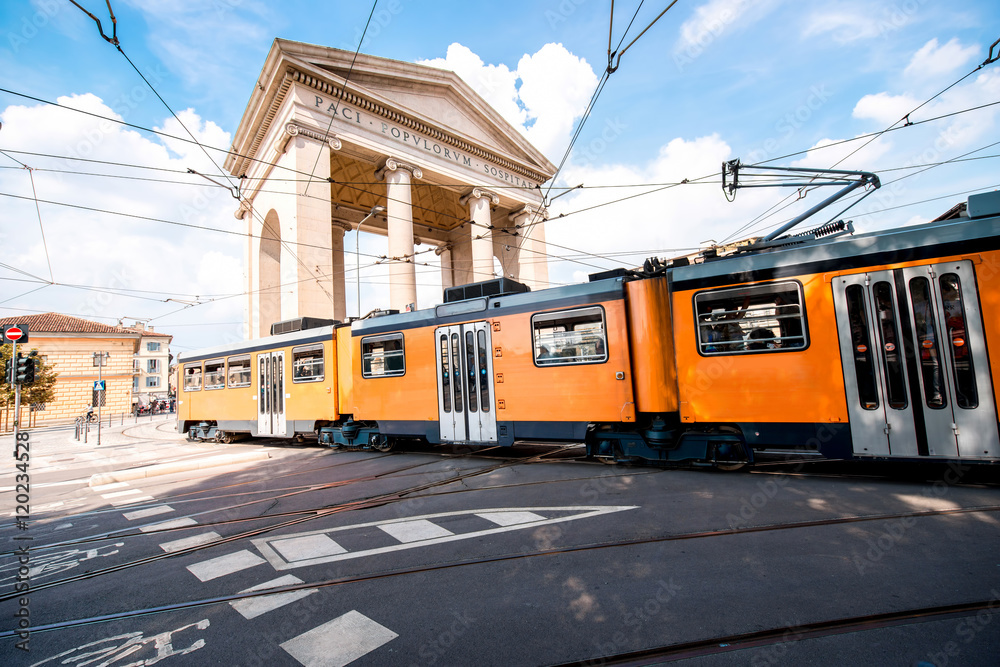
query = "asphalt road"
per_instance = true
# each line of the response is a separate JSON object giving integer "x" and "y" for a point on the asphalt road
{"x": 281, "y": 554}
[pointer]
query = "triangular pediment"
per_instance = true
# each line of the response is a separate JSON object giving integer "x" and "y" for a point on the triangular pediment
{"x": 435, "y": 97}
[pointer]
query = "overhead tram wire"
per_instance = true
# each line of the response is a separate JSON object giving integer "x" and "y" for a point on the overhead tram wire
{"x": 871, "y": 137}
{"x": 233, "y": 189}
{"x": 611, "y": 68}
{"x": 38, "y": 211}
{"x": 343, "y": 89}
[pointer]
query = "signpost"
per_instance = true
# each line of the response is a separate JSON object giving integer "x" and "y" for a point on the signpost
{"x": 99, "y": 358}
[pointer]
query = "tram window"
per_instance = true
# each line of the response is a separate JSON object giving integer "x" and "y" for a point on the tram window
{"x": 861, "y": 344}
{"x": 239, "y": 371}
{"x": 966, "y": 392}
{"x": 570, "y": 337}
{"x": 930, "y": 353}
{"x": 445, "y": 375}
{"x": 192, "y": 378}
{"x": 456, "y": 365}
{"x": 484, "y": 380}
{"x": 892, "y": 360}
{"x": 470, "y": 369}
{"x": 307, "y": 363}
{"x": 756, "y": 318}
{"x": 382, "y": 356}
{"x": 215, "y": 374}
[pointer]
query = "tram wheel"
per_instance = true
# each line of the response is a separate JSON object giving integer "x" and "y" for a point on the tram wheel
{"x": 381, "y": 443}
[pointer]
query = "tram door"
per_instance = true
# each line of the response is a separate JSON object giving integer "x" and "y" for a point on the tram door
{"x": 915, "y": 366}
{"x": 466, "y": 396}
{"x": 271, "y": 393}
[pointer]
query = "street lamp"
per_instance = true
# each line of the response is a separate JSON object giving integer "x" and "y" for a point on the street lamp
{"x": 357, "y": 253}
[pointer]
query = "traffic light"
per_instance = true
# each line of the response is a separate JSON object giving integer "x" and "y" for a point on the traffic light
{"x": 25, "y": 372}
{"x": 6, "y": 372}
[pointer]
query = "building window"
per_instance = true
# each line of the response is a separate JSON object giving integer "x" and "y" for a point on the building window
{"x": 239, "y": 371}
{"x": 192, "y": 377}
{"x": 383, "y": 356}
{"x": 152, "y": 365}
{"x": 215, "y": 374}
{"x": 574, "y": 336}
{"x": 152, "y": 382}
{"x": 136, "y": 365}
{"x": 135, "y": 384}
{"x": 307, "y": 363}
{"x": 756, "y": 318}
{"x": 152, "y": 347}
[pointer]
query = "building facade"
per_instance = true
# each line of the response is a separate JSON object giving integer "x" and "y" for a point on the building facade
{"x": 73, "y": 347}
{"x": 151, "y": 366}
{"x": 329, "y": 143}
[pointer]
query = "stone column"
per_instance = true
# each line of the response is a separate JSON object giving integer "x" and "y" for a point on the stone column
{"x": 447, "y": 275}
{"x": 307, "y": 274}
{"x": 481, "y": 237}
{"x": 399, "y": 225}
{"x": 340, "y": 227}
{"x": 533, "y": 263}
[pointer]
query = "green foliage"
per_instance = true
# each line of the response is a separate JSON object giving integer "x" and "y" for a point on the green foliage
{"x": 41, "y": 391}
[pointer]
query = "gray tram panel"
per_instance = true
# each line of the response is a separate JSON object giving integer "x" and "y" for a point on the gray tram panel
{"x": 968, "y": 432}
{"x": 883, "y": 431}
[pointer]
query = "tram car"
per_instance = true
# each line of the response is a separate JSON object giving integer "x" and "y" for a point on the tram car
{"x": 882, "y": 345}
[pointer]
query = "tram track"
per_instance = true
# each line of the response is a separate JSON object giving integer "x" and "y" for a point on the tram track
{"x": 365, "y": 503}
{"x": 646, "y": 656}
{"x": 796, "y": 633}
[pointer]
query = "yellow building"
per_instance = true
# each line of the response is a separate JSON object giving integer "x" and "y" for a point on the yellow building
{"x": 72, "y": 347}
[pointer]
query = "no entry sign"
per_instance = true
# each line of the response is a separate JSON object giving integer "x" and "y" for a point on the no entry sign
{"x": 15, "y": 334}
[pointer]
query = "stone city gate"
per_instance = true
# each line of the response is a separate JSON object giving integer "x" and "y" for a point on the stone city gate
{"x": 399, "y": 149}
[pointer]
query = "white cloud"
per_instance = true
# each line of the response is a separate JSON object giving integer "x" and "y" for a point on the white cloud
{"x": 933, "y": 60}
{"x": 845, "y": 24}
{"x": 884, "y": 108}
{"x": 716, "y": 17}
{"x": 115, "y": 252}
{"x": 554, "y": 89}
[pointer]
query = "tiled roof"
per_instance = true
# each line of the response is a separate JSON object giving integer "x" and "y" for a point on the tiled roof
{"x": 56, "y": 323}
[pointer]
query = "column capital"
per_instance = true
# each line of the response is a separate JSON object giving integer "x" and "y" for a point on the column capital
{"x": 480, "y": 193}
{"x": 343, "y": 225}
{"x": 443, "y": 248}
{"x": 529, "y": 210}
{"x": 242, "y": 211}
{"x": 293, "y": 130}
{"x": 392, "y": 164}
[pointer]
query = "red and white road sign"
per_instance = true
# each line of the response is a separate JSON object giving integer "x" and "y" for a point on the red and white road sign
{"x": 13, "y": 334}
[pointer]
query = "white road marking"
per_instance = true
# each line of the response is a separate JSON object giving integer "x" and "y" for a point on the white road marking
{"x": 254, "y": 607}
{"x": 120, "y": 494}
{"x": 415, "y": 525}
{"x": 510, "y": 518}
{"x": 63, "y": 526}
{"x": 339, "y": 642}
{"x": 152, "y": 511}
{"x": 193, "y": 541}
{"x": 415, "y": 531}
{"x": 311, "y": 546}
{"x": 108, "y": 487}
{"x": 166, "y": 525}
{"x": 223, "y": 565}
{"x": 118, "y": 502}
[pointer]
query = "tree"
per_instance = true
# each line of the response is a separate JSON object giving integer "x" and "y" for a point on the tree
{"x": 40, "y": 392}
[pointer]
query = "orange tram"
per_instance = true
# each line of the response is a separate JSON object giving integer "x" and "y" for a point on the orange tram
{"x": 883, "y": 345}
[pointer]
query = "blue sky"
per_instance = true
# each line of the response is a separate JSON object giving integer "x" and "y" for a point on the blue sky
{"x": 711, "y": 80}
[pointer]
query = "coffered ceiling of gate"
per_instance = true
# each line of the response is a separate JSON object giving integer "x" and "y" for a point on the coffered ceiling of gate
{"x": 354, "y": 185}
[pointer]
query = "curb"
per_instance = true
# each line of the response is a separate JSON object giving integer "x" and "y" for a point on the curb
{"x": 100, "y": 479}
